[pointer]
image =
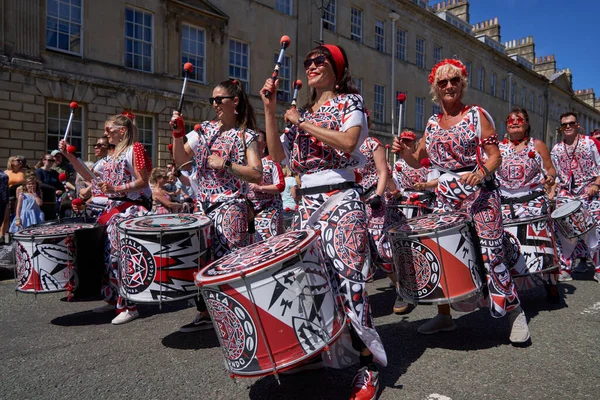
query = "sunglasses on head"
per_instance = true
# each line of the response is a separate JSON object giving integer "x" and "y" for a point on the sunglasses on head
{"x": 442, "y": 83}
{"x": 318, "y": 61}
{"x": 515, "y": 121}
{"x": 219, "y": 99}
{"x": 568, "y": 124}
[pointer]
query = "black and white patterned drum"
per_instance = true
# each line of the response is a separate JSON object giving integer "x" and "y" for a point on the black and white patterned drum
{"x": 272, "y": 303}
{"x": 46, "y": 256}
{"x": 160, "y": 254}
{"x": 434, "y": 258}
{"x": 573, "y": 220}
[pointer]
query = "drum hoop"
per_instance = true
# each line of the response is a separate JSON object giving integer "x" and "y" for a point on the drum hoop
{"x": 202, "y": 280}
{"x": 554, "y": 216}
{"x": 137, "y": 231}
{"x": 22, "y": 235}
{"x": 420, "y": 233}
{"x": 525, "y": 220}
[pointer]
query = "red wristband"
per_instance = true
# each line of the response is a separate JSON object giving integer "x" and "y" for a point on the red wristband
{"x": 178, "y": 128}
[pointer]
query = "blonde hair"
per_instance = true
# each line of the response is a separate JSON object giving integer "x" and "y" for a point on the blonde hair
{"x": 451, "y": 70}
{"x": 130, "y": 136}
{"x": 286, "y": 171}
{"x": 12, "y": 158}
{"x": 157, "y": 173}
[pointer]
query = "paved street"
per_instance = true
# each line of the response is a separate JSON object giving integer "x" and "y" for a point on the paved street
{"x": 53, "y": 349}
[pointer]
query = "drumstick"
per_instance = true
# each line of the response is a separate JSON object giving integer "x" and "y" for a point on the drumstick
{"x": 188, "y": 68}
{"x": 73, "y": 107}
{"x": 387, "y": 151}
{"x": 297, "y": 87}
{"x": 401, "y": 99}
{"x": 285, "y": 42}
{"x": 62, "y": 177}
{"x": 426, "y": 162}
{"x": 532, "y": 155}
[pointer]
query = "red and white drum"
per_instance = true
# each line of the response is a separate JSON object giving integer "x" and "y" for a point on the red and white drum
{"x": 529, "y": 249}
{"x": 272, "y": 304}
{"x": 160, "y": 254}
{"x": 46, "y": 254}
{"x": 434, "y": 258}
{"x": 573, "y": 220}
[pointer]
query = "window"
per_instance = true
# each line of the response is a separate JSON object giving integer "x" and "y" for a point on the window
{"x": 437, "y": 109}
{"x": 503, "y": 89}
{"x": 356, "y": 24}
{"x": 284, "y": 6}
{"x": 138, "y": 40}
{"x": 398, "y": 109}
{"x": 329, "y": 16}
{"x": 419, "y": 113}
{"x": 401, "y": 44}
{"x": 379, "y": 104}
{"x": 239, "y": 62}
{"x": 437, "y": 54}
{"x": 540, "y": 104}
{"x": 284, "y": 92}
{"x": 531, "y": 101}
{"x": 523, "y": 94}
{"x": 58, "y": 116}
{"x": 469, "y": 66}
{"x": 420, "y": 49}
{"x": 493, "y": 84}
{"x": 145, "y": 125}
{"x": 513, "y": 94}
{"x": 380, "y": 35}
{"x": 193, "y": 50}
{"x": 358, "y": 83}
{"x": 481, "y": 79}
{"x": 63, "y": 25}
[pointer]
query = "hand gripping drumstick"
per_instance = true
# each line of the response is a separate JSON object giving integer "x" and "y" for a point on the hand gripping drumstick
{"x": 188, "y": 68}
{"x": 73, "y": 107}
{"x": 426, "y": 162}
{"x": 401, "y": 98}
{"x": 285, "y": 42}
{"x": 532, "y": 155}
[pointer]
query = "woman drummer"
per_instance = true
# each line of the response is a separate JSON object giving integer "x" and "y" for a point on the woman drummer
{"x": 124, "y": 181}
{"x": 322, "y": 146}
{"x": 226, "y": 157}
{"x": 454, "y": 140}
{"x": 526, "y": 168}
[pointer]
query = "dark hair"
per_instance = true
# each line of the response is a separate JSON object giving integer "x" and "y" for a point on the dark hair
{"x": 522, "y": 111}
{"x": 245, "y": 113}
{"x": 567, "y": 114}
{"x": 343, "y": 83}
{"x": 262, "y": 133}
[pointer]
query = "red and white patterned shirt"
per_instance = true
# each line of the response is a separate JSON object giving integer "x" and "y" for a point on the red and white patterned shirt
{"x": 369, "y": 171}
{"x": 518, "y": 172}
{"x": 216, "y": 186}
{"x": 577, "y": 166}
{"x": 272, "y": 175}
{"x": 406, "y": 176}
{"x": 119, "y": 171}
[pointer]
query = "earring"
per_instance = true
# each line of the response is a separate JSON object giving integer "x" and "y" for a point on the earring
{"x": 235, "y": 112}
{"x": 337, "y": 87}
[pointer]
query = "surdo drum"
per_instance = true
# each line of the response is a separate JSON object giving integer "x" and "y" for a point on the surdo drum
{"x": 529, "y": 249}
{"x": 411, "y": 211}
{"x": 573, "y": 220}
{"x": 53, "y": 257}
{"x": 434, "y": 258}
{"x": 160, "y": 254}
{"x": 272, "y": 304}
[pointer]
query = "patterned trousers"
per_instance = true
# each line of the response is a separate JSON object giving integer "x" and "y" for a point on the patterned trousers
{"x": 268, "y": 222}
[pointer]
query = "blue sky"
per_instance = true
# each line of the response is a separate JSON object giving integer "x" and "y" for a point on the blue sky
{"x": 568, "y": 29}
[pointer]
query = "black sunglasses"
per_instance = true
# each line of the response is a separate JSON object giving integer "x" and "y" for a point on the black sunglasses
{"x": 453, "y": 81}
{"x": 568, "y": 124}
{"x": 219, "y": 99}
{"x": 318, "y": 61}
{"x": 50, "y": 159}
{"x": 99, "y": 145}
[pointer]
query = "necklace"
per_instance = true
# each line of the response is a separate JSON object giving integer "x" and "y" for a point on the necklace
{"x": 519, "y": 141}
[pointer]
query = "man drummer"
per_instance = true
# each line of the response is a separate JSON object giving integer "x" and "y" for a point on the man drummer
{"x": 577, "y": 162}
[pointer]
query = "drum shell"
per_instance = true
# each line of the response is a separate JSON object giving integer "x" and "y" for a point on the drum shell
{"x": 574, "y": 224}
{"x": 436, "y": 266}
{"x": 287, "y": 308}
{"x": 168, "y": 262}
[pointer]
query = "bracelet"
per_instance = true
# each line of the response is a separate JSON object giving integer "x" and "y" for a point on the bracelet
{"x": 480, "y": 175}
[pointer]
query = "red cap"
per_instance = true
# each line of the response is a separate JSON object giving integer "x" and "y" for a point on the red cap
{"x": 426, "y": 162}
{"x": 285, "y": 41}
{"x": 408, "y": 135}
{"x": 62, "y": 177}
{"x": 77, "y": 202}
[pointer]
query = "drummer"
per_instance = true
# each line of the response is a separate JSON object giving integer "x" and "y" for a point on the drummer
{"x": 322, "y": 146}
{"x": 577, "y": 162}
{"x": 454, "y": 140}
{"x": 226, "y": 157}
{"x": 266, "y": 196}
{"x": 124, "y": 181}
{"x": 522, "y": 178}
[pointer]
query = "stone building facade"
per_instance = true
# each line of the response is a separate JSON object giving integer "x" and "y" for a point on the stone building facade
{"x": 112, "y": 56}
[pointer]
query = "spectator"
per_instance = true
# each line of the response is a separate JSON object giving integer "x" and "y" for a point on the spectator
{"x": 289, "y": 193}
{"x": 29, "y": 200}
{"x": 48, "y": 176}
{"x": 3, "y": 198}
{"x": 161, "y": 201}
{"x": 15, "y": 169}
{"x": 171, "y": 187}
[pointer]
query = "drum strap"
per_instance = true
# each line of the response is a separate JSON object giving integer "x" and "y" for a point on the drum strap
{"x": 327, "y": 188}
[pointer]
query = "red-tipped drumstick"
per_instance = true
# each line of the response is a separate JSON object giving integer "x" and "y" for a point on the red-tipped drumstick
{"x": 426, "y": 163}
{"x": 197, "y": 128}
{"x": 532, "y": 155}
{"x": 188, "y": 68}
{"x": 401, "y": 99}
{"x": 73, "y": 107}
{"x": 285, "y": 42}
{"x": 297, "y": 87}
{"x": 387, "y": 151}
{"x": 71, "y": 149}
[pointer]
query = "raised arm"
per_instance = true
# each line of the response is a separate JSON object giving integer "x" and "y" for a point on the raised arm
{"x": 272, "y": 134}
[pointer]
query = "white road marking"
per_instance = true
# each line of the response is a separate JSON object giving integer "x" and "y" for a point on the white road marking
{"x": 436, "y": 396}
{"x": 593, "y": 309}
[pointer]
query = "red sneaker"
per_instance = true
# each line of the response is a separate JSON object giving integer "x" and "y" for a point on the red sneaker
{"x": 365, "y": 385}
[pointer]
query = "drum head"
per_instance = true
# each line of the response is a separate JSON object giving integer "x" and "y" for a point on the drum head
{"x": 430, "y": 223}
{"x": 566, "y": 209}
{"x": 256, "y": 257}
{"x": 153, "y": 224}
{"x": 47, "y": 230}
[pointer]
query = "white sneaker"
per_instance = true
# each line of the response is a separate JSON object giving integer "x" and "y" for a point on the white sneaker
{"x": 519, "y": 332}
{"x": 597, "y": 277}
{"x": 105, "y": 308}
{"x": 439, "y": 323}
{"x": 565, "y": 276}
{"x": 125, "y": 317}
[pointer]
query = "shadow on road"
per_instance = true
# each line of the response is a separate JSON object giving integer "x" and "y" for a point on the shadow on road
{"x": 191, "y": 341}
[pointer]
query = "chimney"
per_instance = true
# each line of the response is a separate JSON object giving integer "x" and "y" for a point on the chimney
{"x": 490, "y": 28}
{"x": 458, "y": 8}
{"x": 545, "y": 65}
{"x": 524, "y": 47}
